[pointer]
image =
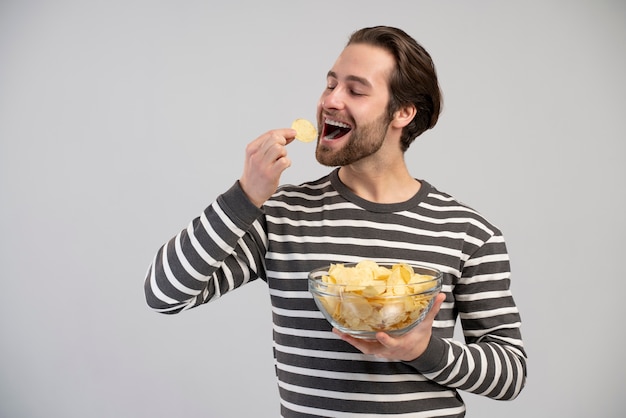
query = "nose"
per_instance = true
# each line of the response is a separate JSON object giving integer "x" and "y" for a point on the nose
{"x": 332, "y": 99}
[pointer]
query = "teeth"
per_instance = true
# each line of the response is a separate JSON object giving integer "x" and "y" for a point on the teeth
{"x": 338, "y": 124}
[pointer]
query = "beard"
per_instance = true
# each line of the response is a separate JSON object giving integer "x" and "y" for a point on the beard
{"x": 365, "y": 140}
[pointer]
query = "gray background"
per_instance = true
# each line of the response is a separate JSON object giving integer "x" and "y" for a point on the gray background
{"x": 121, "y": 120}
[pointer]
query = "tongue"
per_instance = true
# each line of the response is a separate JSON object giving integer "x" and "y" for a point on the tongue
{"x": 334, "y": 134}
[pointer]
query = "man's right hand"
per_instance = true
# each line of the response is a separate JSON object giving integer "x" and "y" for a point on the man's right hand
{"x": 266, "y": 159}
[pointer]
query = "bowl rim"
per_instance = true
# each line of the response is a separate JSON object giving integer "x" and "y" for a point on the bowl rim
{"x": 380, "y": 263}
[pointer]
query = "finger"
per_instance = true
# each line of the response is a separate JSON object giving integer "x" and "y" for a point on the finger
{"x": 254, "y": 146}
{"x": 364, "y": 346}
{"x": 280, "y": 165}
{"x": 272, "y": 150}
{"x": 290, "y": 135}
{"x": 287, "y": 134}
{"x": 345, "y": 337}
{"x": 259, "y": 143}
{"x": 281, "y": 137}
{"x": 439, "y": 299}
{"x": 386, "y": 340}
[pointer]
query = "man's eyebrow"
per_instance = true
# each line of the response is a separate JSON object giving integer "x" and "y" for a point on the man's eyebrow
{"x": 354, "y": 78}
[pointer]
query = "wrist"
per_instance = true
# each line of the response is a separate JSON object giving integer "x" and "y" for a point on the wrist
{"x": 432, "y": 357}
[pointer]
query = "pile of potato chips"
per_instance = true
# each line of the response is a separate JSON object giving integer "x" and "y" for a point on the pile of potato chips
{"x": 371, "y": 297}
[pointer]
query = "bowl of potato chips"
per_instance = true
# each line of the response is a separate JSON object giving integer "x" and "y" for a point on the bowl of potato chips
{"x": 367, "y": 297}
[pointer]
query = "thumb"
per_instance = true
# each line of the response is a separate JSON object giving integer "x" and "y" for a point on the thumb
{"x": 439, "y": 299}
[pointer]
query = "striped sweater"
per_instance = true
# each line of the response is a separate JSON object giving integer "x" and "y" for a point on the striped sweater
{"x": 303, "y": 227}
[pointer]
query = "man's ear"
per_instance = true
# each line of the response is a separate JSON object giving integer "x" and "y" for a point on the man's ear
{"x": 403, "y": 116}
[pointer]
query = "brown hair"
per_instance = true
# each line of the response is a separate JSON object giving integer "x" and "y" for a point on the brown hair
{"x": 413, "y": 81}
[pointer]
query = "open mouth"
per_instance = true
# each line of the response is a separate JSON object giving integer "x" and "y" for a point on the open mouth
{"x": 334, "y": 129}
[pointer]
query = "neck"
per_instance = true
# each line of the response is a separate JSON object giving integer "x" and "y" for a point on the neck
{"x": 388, "y": 184}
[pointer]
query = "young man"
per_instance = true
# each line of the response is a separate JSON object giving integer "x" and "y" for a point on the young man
{"x": 382, "y": 92}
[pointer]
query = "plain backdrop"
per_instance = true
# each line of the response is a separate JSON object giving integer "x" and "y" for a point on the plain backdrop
{"x": 121, "y": 120}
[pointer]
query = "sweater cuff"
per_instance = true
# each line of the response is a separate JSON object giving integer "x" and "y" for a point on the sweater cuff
{"x": 238, "y": 207}
{"x": 433, "y": 359}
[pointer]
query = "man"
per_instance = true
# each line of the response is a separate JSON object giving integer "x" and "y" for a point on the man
{"x": 381, "y": 93}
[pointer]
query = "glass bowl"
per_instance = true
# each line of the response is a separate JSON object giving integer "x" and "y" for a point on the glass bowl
{"x": 364, "y": 298}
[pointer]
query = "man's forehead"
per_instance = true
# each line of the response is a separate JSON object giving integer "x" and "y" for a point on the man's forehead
{"x": 363, "y": 63}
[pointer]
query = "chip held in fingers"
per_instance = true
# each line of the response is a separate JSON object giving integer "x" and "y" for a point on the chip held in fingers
{"x": 306, "y": 131}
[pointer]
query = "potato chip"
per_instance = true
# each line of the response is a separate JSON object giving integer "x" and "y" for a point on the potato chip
{"x": 374, "y": 297}
{"x": 306, "y": 131}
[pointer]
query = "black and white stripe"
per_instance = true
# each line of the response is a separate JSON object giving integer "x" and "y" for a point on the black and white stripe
{"x": 308, "y": 226}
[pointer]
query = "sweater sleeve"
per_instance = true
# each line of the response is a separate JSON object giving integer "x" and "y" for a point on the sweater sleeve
{"x": 219, "y": 251}
{"x": 492, "y": 362}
